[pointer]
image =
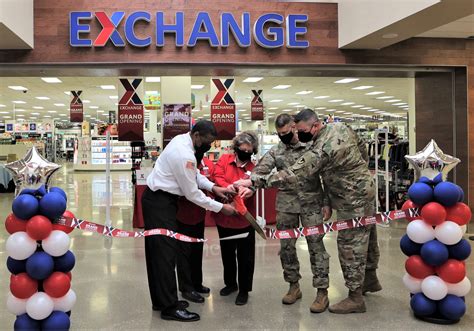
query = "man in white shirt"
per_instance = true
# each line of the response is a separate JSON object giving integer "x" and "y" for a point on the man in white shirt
{"x": 175, "y": 174}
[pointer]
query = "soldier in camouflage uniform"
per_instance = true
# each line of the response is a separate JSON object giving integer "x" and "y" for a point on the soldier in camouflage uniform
{"x": 336, "y": 155}
{"x": 305, "y": 202}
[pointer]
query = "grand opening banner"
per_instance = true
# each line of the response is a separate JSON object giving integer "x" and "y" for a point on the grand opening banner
{"x": 176, "y": 120}
{"x": 76, "y": 107}
{"x": 256, "y": 106}
{"x": 223, "y": 107}
{"x": 130, "y": 110}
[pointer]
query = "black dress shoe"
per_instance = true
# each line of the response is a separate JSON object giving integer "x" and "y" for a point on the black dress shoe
{"x": 193, "y": 296}
{"x": 242, "y": 298}
{"x": 181, "y": 315}
{"x": 182, "y": 304}
{"x": 228, "y": 290}
{"x": 202, "y": 289}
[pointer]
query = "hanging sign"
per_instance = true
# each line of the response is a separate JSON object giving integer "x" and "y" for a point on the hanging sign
{"x": 223, "y": 107}
{"x": 76, "y": 108}
{"x": 176, "y": 120}
{"x": 256, "y": 106}
{"x": 130, "y": 110}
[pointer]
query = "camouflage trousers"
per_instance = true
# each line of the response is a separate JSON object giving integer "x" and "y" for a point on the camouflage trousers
{"x": 318, "y": 256}
{"x": 358, "y": 248}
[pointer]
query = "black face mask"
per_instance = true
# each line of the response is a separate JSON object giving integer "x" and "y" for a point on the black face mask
{"x": 199, "y": 157}
{"x": 304, "y": 137}
{"x": 243, "y": 155}
{"x": 287, "y": 138}
{"x": 202, "y": 149}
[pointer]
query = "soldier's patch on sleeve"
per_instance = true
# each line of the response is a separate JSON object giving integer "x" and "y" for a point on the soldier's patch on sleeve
{"x": 190, "y": 165}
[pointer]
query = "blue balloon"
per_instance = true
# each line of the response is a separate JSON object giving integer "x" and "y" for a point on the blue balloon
{"x": 409, "y": 247}
{"x": 64, "y": 263}
{"x": 40, "y": 265}
{"x": 25, "y": 206}
{"x": 446, "y": 193}
{"x": 461, "y": 194}
{"x": 438, "y": 179}
{"x": 25, "y": 322}
{"x": 41, "y": 191}
{"x": 58, "y": 320}
{"x": 460, "y": 251}
{"x": 16, "y": 266}
{"x": 52, "y": 205}
{"x": 434, "y": 253}
{"x": 28, "y": 191}
{"x": 422, "y": 306}
{"x": 452, "y": 307}
{"x": 425, "y": 180}
{"x": 420, "y": 193}
{"x": 58, "y": 190}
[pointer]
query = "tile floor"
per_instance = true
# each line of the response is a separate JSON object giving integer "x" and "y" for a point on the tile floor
{"x": 111, "y": 285}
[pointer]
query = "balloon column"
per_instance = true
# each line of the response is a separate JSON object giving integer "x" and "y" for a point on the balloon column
{"x": 436, "y": 271}
{"x": 39, "y": 258}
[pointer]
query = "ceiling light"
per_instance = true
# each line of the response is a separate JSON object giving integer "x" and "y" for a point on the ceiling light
{"x": 7, "y": 117}
{"x": 18, "y": 102}
{"x": 52, "y": 80}
{"x": 86, "y": 101}
{"x": 293, "y": 103}
{"x": 38, "y": 107}
{"x": 330, "y": 110}
{"x": 20, "y": 115}
{"x": 52, "y": 111}
{"x": 62, "y": 114}
{"x": 238, "y": 103}
{"x": 152, "y": 79}
{"x": 380, "y": 111}
{"x": 113, "y": 97}
{"x": 322, "y": 97}
{"x": 18, "y": 88}
{"x": 2, "y": 106}
{"x": 399, "y": 104}
{"x": 35, "y": 113}
{"x": 59, "y": 104}
{"x": 375, "y": 93}
{"x": 33, "y": 118}
{"x": 242, "y": 110}
{"x": 371, "y": 110}
{"x": 107, "y": 87}
{"x": 385, "y": 97}
{"x": 366, "y": 108}
{"x": 146, "y": 92}
{"x": 93, "y": 107}
{"x": 252, "y": 79}
{"x": 20, "y": 110}
{"x": 67, "y": 92}
{"x": 272, "y": 108}
{"x": 348, "y": 113}
{"x": 393, "y": 100}
{"x": 88, "y": 116}
{"x": 340, "y": 111}
{"x": 42, "y": 98}
{"x": 357, "y": 106}
{"x": 197, "y": 87}
{"x": 281, "y": 87}
{"x": 4, "y": 112}
{"x": 205, "y": 106}
{"x": 300, "y": 106}
{"x": 363, "y": 87}
{"x": 287, "y": 110}
{"x": 346, "y": 80}
{"x": 320, "y": 108}
{"x": 304, "y": 92}
{"x": 276, "y": 100}
{"x": 100, "y": 111}
{"x": 347, "y": 103}
{"x": 271, "y": 113}
{"x": 336, "y": 100}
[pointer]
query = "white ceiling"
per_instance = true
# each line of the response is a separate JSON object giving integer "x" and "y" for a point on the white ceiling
{"x": 461, "y": 28}
{"x": 398, "y": 88}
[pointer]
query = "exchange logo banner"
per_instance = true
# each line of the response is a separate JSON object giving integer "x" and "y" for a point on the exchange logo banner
{"x": 223, "y": 107}
{"x": 130, "y": 110}
{"x": 256, "y": 106}
{"x": 76, "y": 112}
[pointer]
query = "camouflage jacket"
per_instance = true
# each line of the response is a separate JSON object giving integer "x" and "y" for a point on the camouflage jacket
{"x": 340, "y": 157}
{"x": 300, "y": 198}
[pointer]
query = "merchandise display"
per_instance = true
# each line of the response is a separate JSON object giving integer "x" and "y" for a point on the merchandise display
{"x": 92, "y": 153}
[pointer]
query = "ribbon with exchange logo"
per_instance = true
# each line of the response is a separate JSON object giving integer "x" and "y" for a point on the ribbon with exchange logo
{"x": 110, "y": 231}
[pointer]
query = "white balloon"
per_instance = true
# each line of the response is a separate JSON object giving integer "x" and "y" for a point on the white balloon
{"x": 449, "y": 233}
{"x": 434, "y": 287}
{"x": 20, "y": 246}
{"x": 16, "y": 306}
{"x": 66, "y": 302}
{"x": 39, "y": 306}
{"x": 57, "y": 243}
{"x": 460, "y": 289}
{"x": 464, "y": 229}
{"x": 412, "y": 284}
{"x": 420, "y": 232}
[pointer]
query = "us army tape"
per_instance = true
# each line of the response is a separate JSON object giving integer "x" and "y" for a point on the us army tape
{"x": 110, "y": 231}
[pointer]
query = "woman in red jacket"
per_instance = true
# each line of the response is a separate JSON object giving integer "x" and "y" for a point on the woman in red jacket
{"x": 241, "y": 252}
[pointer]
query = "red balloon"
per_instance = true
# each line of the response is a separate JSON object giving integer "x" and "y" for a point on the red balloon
{"x": 452, "y": 271}
{"x": 408, "y": 205}
{"x": 23, "y": 286}
{"x": 39, "y": 227}
{"x": 417, "y": 268}
{"x": 14, "y": 224}
{"x": 64, "y": 228}
{"x": 69, "y": 274}
{"x": 433, "y": 213}
{"x": 57, "y": 285}
{"x": 460, "y": 213}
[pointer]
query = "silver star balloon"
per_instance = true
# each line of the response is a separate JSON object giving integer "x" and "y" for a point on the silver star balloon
{"x": 32, "y": 171}
{"x": 431, "y": 161}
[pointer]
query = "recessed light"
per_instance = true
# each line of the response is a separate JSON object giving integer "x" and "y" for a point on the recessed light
{"x": 113, "y": 97}
{"x": 19, "y": 102}
{"x": 38, "y": 107}
{"x": 347, "y": 113}
{"x": 59, "y": 104}
{"x": 35, "y": 113}
{"x": 271, "y": 113}
{"x": 205, "y": 106}
{"x": 281, "y": 87}
{"x": 276, "y": 100}
{"x": 287, "y": 110}
{"x": 322, "y": 97}
{"x": 100, "y": 111}
{"x": 375, "y": 93}
{"x": 87, "y": 116}
{"x": 393, "y": 100}
{"x": 33, "y": 118}
{"x": 272, "y": 108}
{"x": 331, "y": 110}
{"x": 293, "y": 103}
{"x": 4, "y": 112}
{"x": 347, "y": 103}
{"x": 363, "y": 87}
{"x": 67, "y": 92}
{"x": 400, "y": 104}
{"x": 300, "y": 106}
{"x": 42, "y": 98}
{"x": 52, "y": 80}
{"x": 346, "y": 80}
{"x": 304, "y": 92}
{"x": 18, "y": 88}
{"x": 146, "y": 92}
{"x": 385, "y": 97}
{"x": 86, "y": 101}
{"x": 366, "y": 108}
{"x": 2, "y": 106}
{"x": 242, "y": 110}
{"x": 7, "y": 117}
{"x": 252, "y": 79}
{"x": 320, "y": 108}
{"x": 336, "y": 100}
{"x": 340, "y": 111}
{"x": 238, "y": 103}
{"x": 19, "y": 110}
{"x": 93, "y": 107}
{"x": 52, "y": 111}
{"x": 197, "y": 87}
{"x": 380, "y": 111}
{"x": 107, "y": 87}
{"x": 371, "y": 110}
{"x": 357, "y": 106}
{"x": 20, "y": 115}
{"x": 390, "y": 35}
{"x": 62, "y": 114}
{"x": 153, "y": 79}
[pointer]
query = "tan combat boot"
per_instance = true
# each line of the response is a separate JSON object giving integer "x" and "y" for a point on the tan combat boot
{"x": 321, "y": 302}
{"x": 293, "y": 294}
{"x": 354, "y": 303}
{"x": 371, "y": 282}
